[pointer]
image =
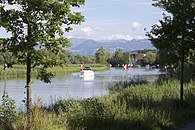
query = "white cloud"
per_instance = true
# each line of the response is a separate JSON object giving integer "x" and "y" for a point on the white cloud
{"x": 136, "y": 25}
{"x": 138, "y": 37}
{"x": 87, "y": 31}
{"x": 69, "y": 37}
{"x": 84, "y": 32}
{"x": 125, "y": 37}
{"x": 118, "y": 36}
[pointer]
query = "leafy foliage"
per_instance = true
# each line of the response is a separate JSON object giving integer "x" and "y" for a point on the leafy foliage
{"x": 37, "y": 25}
{"x": 150, "y": 57}
{"x": 7, "y": 113}
{"x": 174, "y": 36}
{"x": 8, "y": 58}
{"x": 119, "y": 58}
{"x": 101, "y": 55}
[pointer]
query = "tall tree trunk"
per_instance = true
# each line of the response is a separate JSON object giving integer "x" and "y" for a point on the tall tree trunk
{"x": 28, "y": 91}
{"x": 28, "y": 79}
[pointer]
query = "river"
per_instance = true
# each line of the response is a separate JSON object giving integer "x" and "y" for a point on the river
{"x": 72, "y": 86}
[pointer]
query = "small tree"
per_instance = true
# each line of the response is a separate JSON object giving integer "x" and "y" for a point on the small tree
{"x": 37, "y": 25}
{"x": 117, "y": 57}
{"x": 101, "y": 55}
{"x": 126, "y": 56}
{"x": 150, "y": 57}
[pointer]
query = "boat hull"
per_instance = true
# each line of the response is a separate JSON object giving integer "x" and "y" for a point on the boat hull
{"x": 87, "y": 73}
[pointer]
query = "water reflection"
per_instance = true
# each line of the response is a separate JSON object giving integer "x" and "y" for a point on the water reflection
{"x": 87, "y": 82}
{"x": 87, "y": 78}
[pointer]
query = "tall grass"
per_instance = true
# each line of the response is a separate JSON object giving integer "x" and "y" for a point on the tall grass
{"x": 15, "y": 72}
{"x": 150, "y": 106}
{"x": 146, "y": 106}
{"x": 42, "y": 120}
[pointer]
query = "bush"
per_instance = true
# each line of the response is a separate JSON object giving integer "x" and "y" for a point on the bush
{"x": 7, "y": 113}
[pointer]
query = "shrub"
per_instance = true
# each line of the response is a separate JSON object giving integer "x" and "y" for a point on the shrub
{"x": 7, "y": 113}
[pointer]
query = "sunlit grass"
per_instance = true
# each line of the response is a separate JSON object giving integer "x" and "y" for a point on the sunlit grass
{"x": 19, "y": 71}
{"x": 42, "y": 120}
{"x": 144, "y": 106}
{"x": 147, "y": 106}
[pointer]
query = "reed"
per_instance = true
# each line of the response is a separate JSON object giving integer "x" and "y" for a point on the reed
{"x": 41, "y": 120}
{"x": 136, "y": 106}
{"x": 142, "y": 106}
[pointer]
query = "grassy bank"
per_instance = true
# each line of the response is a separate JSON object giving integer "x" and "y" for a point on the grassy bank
{"x": 19, "y": 71}
{"x": 147, "y": 106}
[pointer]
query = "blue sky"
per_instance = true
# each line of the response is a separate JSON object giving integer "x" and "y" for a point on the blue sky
{"x": 114, "y": 19}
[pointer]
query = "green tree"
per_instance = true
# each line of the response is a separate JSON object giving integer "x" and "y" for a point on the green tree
{"x": 101, "y": 55}
{"x": 126, "y": 56}
{"x": 175, "y": 35}
{"x": 79, "y": 59}
{"x": 37, "y": 25}
{"x": 117, "y": 58}
{"x": 66, "y": 56}
{"x": 89, "y": 60}
{"x": 8, "y": 58}
{"x": 150, "y": 57}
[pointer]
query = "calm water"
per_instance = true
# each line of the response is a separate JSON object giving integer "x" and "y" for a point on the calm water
{"x": 72, "y": 86}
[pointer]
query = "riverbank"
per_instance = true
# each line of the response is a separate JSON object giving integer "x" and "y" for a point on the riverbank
{"x": 19, "y": 71}
{"x": 148, "y": 106}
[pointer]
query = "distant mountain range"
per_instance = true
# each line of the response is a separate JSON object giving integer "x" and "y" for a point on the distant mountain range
{"x": 89, "y": 46}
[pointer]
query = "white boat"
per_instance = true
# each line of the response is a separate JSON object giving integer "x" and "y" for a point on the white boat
{"x": 87, "y": 72}
{"x": 88, "y": 78}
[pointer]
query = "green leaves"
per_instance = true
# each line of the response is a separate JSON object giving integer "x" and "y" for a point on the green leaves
{"x": 7, "y": 112}
{"x": 101, "y": 55}
{"x": 44, "y": 75}
{"x": 180, "y": 23}
{"x": 150, "y": 57}
{"x": 39, "y": 24}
